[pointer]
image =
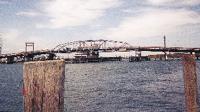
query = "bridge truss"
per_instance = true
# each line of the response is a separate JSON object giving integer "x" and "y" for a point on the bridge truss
{"x": 104, "y": 45}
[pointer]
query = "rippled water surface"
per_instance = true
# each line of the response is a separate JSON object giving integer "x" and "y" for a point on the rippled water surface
{"x": 155, "y": 86}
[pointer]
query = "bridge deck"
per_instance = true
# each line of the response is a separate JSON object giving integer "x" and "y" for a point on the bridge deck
{"x": 126, "y": 49}
{"x": 51, "y": 53}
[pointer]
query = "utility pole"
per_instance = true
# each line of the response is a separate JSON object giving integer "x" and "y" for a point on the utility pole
{"x": 165, "y": 54}
{"x": 164, "y": 41}
{"x": 1, "y": 44}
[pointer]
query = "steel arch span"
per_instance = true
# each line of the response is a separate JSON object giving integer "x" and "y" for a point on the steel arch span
{"x": 99, "y": 45}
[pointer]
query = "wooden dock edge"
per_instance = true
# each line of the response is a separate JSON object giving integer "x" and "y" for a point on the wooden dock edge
{"x": 190, "y": 83}
{"x": 44, "y": 86}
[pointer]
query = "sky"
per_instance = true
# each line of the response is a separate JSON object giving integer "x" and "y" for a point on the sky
{"x": 138, "y": 22}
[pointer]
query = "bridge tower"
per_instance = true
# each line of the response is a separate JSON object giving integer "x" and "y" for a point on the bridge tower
{"x": 29, "y": 57}
{"x": 29, "y": 44}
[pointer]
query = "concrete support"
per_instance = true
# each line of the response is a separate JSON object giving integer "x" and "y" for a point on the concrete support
{"x": 44, "y": 86}
{"x": 10, "y": 60}
{"x": 51, "y": 56}
{"x": 190, "y": 83}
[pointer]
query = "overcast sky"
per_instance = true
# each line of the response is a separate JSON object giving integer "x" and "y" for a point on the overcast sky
{"x": 138, "y": 22}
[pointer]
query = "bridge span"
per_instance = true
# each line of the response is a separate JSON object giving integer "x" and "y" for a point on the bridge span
{"x": 90, "y": 48}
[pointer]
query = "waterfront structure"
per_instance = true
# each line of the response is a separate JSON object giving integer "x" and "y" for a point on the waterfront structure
{"x": 90, "y": 49}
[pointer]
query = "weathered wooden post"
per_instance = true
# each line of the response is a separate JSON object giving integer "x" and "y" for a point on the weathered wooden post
{"x": 190, "y": 83}
{"x": 44, "y": 86}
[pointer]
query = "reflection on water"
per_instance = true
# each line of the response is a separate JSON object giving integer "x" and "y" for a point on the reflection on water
{"x": 155, "y": 86}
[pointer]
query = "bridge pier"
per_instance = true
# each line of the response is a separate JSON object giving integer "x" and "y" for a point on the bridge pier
{"x": 138, "y": 55}
{"x": 165, "y": 56}
{"x": 10, "y": 60}
{"x": 51, "y": 56}
{"x": 28, "y": 57}
{"x": 192, "y": 53}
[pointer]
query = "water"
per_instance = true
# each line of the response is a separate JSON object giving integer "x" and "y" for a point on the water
{"x": 10, "y": 88}
{"x": 155, "y": 86}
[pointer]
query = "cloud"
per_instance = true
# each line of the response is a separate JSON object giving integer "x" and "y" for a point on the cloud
{"x": 174, "y": 2}
{"x": 64, "y": 13}
{"x": 132, "y": 20}
{"x": 153, "y": 23}
{"x": 28, "y": 13}
{"x": 42, "y": 42}
{"x": 12, "y": 41}
{"x": 4, "y": 2}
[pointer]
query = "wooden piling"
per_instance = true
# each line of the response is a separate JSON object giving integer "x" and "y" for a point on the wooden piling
{"x": 190, "y": 83}
{"x": 44, "y": 86}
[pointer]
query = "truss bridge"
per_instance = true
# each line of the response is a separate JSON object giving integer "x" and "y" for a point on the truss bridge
{"x": 90, "y": 48}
